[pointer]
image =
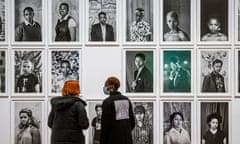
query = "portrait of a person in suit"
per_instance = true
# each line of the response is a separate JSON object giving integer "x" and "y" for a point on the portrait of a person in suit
{"x": 102, "y": 31}
{"x": 143, "y": 77}
{"x": 214, "y": 81}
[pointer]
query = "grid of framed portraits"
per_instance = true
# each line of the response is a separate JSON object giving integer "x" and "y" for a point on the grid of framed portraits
{"x": 178, "y": 62}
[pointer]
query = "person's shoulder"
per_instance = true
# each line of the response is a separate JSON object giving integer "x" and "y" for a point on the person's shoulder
{"x": 205, "y": 36}
{"x": 20, "y": 25}
{"x": 96, "y": 25}
{"x": 109, "y": 25}
{"x": 222, "y": 36}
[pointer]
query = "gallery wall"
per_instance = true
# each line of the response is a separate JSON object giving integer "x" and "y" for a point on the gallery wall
{"x": 99, "y": 60}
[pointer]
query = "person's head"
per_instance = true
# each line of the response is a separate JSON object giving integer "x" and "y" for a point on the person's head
{"x": 172, "y": 20}
{"x": 214, "y": 120}
{"x": 214, "y": 25}
{"x": 176, "y": 119}
{"x": 71, "y": 88}
{"x": 25, "y": 115}
{"x": 63, "y": 9}
{"x": 174, "y": 62}
{"x": 65, "y": 67}
{"x": 28, "y": 14}
{"x": 98, "y": 109}
{"x": 139, "y": 111}
{"x": 112, "y": 84}
{"x": 102, "y": 17}
{"x": 140, "y": 60}
{"x": 27, "y": 67}
{"x": 139, "y": 13}
{"x": 217, "y": 65}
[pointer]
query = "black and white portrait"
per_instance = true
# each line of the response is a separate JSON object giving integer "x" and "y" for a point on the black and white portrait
{"x": 177, "y": 20}
{"x": 214, "y": 20}
{"x": 214, "y": 122}
{"x": 139, "y": 71}
{"x": 238, "y": 20}
{"x": 102, "y": 20}
{"x": 2, "y": 71}
{"x": 95, "y": 114}
{"x": 27, "y": 122}
{"x": 177, "y": 122}
{"x": 65, "y": 66}
{"x": 238, "y": 62}
{"x": 2, "y": 20}
{"x": 28, "y": 71}
{"x": 28, "y": 20}
{"x": 139, "y": 26}
{"x": 143, "y": 130}
{"x": 214, "y": 71}
{"x": 177, "y": 71}
{"x": 65, "y": 20}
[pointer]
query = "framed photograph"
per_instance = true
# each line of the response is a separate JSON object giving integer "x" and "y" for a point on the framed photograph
{"x": 102, "y": 21}
{"x": 144, "y": 125}
{"x": 65, "y": 65}
{"x": 177, "y": 118}
{"x": 237, "y": 72}
{"x": 177, "y": 72}
{"x": 27, "y": 121}
{"x": 139, "y": 71}
{"x": 214, "y": 21}
{"x": 214, "y": 75}
{"x": 214, "y": 122}
{"x": 3, "y": 74}
{"x": 27, "y": 72}
{"x": 237, "y": 21}
{"x": 139, "y": 21}
{"x": 177, "y": 23}
{"x": 65, "y": 18}
{"x": 28, "y": 22}
{"x": 94, "y": 115}
{"x": 3, "y": 21}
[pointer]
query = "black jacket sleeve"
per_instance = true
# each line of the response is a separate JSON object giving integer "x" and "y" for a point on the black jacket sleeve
{"x": 105, "y": 122}
{"x": 131, "y": 115}
{"x": 50, "y": 119}
{"x": 82, "y": 116}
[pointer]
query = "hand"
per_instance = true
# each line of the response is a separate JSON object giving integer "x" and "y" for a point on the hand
{"x": 134, "y": 84}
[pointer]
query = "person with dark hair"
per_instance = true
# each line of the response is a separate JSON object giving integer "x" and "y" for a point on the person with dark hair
{"x": 142, "y": 133}
{"x": 214, "y": 28}
{"x": 28, "y": 81}
{"x": 66, "y": 25}
{"x": 64, "y": 75}
{"x": 174, "y": 33}
{"x": 96, "y": 124}
{"x": 214, "y": 81}
{"x": 102, "y": 31}
{"x": 140, "y": 30}
{"x": 179, "y": 78}
{"x": 117, "y": 116}
{"x": 68, "y": 117}
{"x": 176, "y": 134}
{"x": 29, "y": 30}
{"x": 143, "y": 77}
{"x": 28, "y": 128}
{"x": 214, "y": 135}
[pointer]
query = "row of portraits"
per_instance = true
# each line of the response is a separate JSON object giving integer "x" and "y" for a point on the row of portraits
{"x": 175, "y": 117}
{"x": 176, "y": 75}
{"x": 66, "y": 20}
